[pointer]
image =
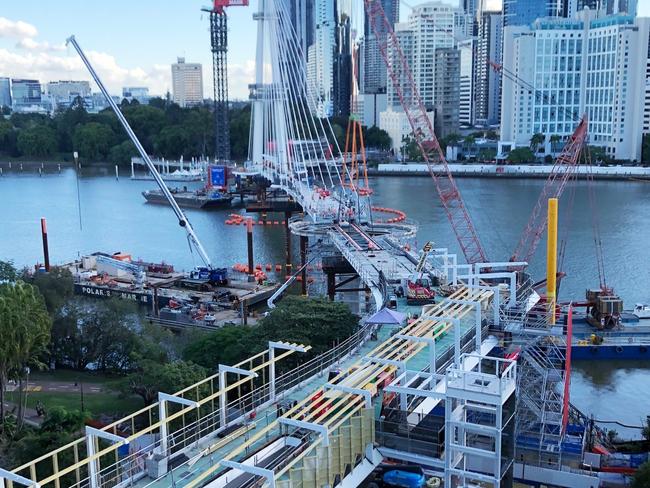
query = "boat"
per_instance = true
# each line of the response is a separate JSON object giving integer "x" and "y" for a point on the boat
{"x": 641, "y": 310}
{"x": 203, "y": 198}
{"x": 178, "y": 175}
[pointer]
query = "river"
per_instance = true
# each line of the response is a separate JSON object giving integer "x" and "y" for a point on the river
{"x": 114, "y": 217}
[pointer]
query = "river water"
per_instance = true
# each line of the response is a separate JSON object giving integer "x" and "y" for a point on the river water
{"x": 115, "y": 217}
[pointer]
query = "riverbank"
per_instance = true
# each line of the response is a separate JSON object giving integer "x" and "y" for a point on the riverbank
{"x": 513, "y": 171}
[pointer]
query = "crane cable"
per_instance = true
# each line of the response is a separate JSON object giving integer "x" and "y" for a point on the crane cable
{"x": 598, "y": 243}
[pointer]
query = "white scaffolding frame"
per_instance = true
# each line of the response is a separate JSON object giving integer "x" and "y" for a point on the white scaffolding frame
{"x": 223, "y": 370}
{"x": 92, "y": 435}
{"x": 163, "y": 399}
{"x": 283, "y": 346}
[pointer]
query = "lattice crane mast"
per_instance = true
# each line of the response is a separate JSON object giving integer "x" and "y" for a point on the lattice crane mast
{"x": 407, "y": 92}
{"x": 219, "y": 45}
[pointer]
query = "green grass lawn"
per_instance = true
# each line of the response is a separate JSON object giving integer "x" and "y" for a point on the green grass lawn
{"x": 108, "y": 402}
{"x": 73, "y": 376}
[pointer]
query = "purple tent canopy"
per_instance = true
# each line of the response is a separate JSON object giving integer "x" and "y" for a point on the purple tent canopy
{"x": 387, "y": 316}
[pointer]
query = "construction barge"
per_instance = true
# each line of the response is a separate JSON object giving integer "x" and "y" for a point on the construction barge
{"x": 172, "y": 299}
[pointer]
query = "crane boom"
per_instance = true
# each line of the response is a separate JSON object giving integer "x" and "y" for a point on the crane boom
{"x": 563, "y": 169}
{"x": 182, "y": 219}
{"x": 423, "y": 133}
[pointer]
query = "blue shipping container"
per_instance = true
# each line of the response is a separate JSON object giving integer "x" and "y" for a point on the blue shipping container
{"x": 218, "y": 175}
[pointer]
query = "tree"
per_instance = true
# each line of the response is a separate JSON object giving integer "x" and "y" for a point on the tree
{"x": 93, "y": 141}
{"x": 411, "y": 149}
{"x": 537, "y": 139}
{"x": 67, "y": 121}
{"x": 469, "y": 140}
{"x": 60, "y": 427}
{"x": 122, "y": 153}
{"x": 315, "y": 322}
{"x": 152, "y": 377}
{"x": 172, "y": 141}
{"x": 598, "y": 155}
{"x": 7, "y": 271}
{"x": 377, "y": 138}
{"x": 36, "y": 141}
{"x": 521, "y": 155}
{"x": 239, "y": 132}
{"x": 227, "y": 345}
{"x": 25, "y": 330}
{"x": 57, "y": 287}
{"x": 99, "y": 333}
{"x": 641, "y": 478}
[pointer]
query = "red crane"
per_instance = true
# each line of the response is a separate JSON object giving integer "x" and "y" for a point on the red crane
{"x": 563, "y": 169}
{"x": 400, "y": 74}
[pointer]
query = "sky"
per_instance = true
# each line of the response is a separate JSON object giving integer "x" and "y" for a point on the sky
{"x": 131, "y": 43}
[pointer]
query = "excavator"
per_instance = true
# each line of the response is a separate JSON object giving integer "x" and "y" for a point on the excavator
{"x": 419, "y": 286}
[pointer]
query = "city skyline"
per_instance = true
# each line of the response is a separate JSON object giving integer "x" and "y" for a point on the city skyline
{"x": 32, "y": 42}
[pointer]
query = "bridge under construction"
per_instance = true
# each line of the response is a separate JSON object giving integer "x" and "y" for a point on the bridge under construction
{"x": 441, "y": 389}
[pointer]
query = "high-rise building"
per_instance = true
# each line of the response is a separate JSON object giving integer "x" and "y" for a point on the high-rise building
{"x": 187, "y": 83}
{"x": 525, "y": 12}
{"x": 429, "y": 26}
{"x": 466, "y": 85}
{"x": 610, "y": 7}
{"x": 320, "y": 59}
{"x": 25, "y": 94}
{"x": 301, "y": 13}
{"x": 139, "y": 93}
{"x": 404, "y": 36}
{"x": 590, "y": 63}
{"x": 487, "y": 82}
{"x": 447, "y": 91}
{"x": 66, "y": 91}
{"x": 374, "y": 67}
{"x": 5, "y": 92}
{"x": 342, "y": 64}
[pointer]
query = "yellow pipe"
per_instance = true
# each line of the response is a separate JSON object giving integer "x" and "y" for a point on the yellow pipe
{"x": 551, "y": 259}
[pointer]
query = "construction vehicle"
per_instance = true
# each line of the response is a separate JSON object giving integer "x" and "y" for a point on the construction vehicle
{"x": 207, "y": 272}
{"x": 419, "y": 286}
{"x": 604, "y": 308}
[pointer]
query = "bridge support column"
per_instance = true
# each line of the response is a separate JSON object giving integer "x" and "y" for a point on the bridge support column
{"x": 287, "y": 232}
{"x": 303, "y": 260}
{"x": 331, "y": 285}
{"x": 249, "y": 243}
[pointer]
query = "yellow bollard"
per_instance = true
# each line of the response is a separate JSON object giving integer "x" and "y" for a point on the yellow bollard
{"x": 551, "y": 259}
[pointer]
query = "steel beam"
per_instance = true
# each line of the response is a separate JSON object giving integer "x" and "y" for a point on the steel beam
{"x": 93, "y": 465}
{"x": 429, "y": 341}
{"x": 314, "y": 427}
{"x": 287, "y": 347}
{"x": 163, "y": 398}
{"x": 14, "y": 478}
{"x": 223, "y": 370}
{"x": 455, "y": 321}
{"x": 352, "y": 391}
{"x": 477, "y": 318}
{"x": 249, "y": 468}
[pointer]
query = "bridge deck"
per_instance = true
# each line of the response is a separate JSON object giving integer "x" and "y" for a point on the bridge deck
{"x": 332, "y": 408}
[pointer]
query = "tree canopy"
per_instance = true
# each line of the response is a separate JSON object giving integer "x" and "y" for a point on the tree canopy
{"x": 315, "y": 322}
{"x": 521, "y": 155}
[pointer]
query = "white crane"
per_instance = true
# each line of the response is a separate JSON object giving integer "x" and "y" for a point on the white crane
{"x": 192, "y": 238}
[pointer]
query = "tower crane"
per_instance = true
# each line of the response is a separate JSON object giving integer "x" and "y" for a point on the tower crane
{"x": 206, "y": 272}
{"x": 423, "y": 132}
{"x": 219, "y": 45}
